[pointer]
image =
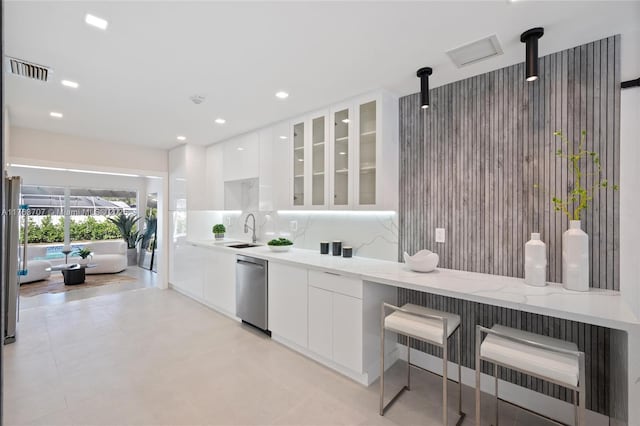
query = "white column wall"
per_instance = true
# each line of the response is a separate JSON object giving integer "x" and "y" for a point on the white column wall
{"x": 630, "y": 234}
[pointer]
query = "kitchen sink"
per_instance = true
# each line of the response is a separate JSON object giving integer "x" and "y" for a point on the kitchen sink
{"x": 241, "y": 245}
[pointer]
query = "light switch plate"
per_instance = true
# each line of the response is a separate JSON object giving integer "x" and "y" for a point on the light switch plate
{"x": 293, "y": 225}
{"x": 227, "y": 221}
{"x": 440, "y": 235}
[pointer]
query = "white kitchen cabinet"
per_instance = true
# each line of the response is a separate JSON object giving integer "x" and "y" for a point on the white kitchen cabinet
{"x": 347, "y": 331}
{"x": 242, "y": 157}
{"x": 178, "y": 178}
{"x": 309, "y": 160}
{"x": 320, "y": 321}
{"x": 220, "y": 281}
{"x": 375, "y": 152}
{"x": 187, "y": 274}
{"x": 187, "y": 177}
{"x": 288, "y": 303}
{"x": 280, "y": 166}
{"x": 341, "y": 154}
{"x": 214, "y": 186}
{"x": 240, "y": 172}
{"x": 346, "y": 157}
{"x": 335, "y": 318}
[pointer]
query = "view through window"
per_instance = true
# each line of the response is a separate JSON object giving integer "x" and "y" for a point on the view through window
{"x": 84, "y": 211}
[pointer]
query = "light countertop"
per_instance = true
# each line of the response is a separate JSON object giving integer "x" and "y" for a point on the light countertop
{"x": 600, "y": 307}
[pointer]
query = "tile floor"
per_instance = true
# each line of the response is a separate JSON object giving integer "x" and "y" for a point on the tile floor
{"x": 144, "y": 278}
{"x": 155, "y": 357}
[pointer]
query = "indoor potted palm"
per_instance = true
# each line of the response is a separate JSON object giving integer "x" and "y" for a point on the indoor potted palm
{"x": 126, "y": 224}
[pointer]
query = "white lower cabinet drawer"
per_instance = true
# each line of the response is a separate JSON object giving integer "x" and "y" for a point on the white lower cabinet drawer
{"x": 336, "y": 283}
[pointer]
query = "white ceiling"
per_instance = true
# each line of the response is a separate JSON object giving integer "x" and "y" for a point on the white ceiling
{"x": 136, "y": 77}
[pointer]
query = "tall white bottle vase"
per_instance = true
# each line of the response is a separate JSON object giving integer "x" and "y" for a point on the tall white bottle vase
{"x": 575, "y": 258}
{"x": 535, "y": 261}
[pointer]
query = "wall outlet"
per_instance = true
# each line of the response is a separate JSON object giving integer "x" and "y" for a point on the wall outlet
{"x": 227, "y": 221}
{"x": 440, "y": 235}
{"x": 293, "y": 225}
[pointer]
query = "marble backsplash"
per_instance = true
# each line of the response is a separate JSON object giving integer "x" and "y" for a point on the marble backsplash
{"x": 371, "y": 234}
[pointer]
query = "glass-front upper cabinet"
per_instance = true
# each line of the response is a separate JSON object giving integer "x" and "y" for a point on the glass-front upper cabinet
{"x": 367, "y": 147}
{"x": 346, "y": 157}
{"x": 298, "y": 164}
{"x": 318, "y": 161}
{"x": 341, "y": 156}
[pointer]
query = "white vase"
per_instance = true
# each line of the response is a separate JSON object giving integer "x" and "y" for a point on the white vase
{"x": 575, "y": 258}
{"x": 535, "y": 261}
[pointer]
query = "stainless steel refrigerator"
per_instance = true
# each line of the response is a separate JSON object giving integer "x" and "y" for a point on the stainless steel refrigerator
{"x": 14, "y": 255}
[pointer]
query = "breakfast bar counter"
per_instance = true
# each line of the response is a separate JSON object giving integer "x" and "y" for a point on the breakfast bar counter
{"x": 598, "y": 307}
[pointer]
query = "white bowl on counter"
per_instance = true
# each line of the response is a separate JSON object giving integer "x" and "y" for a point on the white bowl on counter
{"x": 422, "y": 261}
{"x": 279, "y": 249}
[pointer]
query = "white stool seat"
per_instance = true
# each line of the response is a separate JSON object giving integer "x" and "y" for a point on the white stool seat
{"x": 422, "y": 328}
{"x": 562, "y": 368}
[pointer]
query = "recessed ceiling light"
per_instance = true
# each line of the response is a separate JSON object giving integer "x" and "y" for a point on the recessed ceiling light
{"x": 55, "y": 114}
{"x": 220, "y": 120}
{"x": 182, "y": 138}
{"x": 282, "y": 95}
{"x": 300, "y": 159}
{"x": 70, "y": 83}
{"x": 94, "y": 21}
{"x": 240, "y": 148}
{"x": 346, "y": 120}
{"x": 283, "y": 137}
{"x": 342, "y": 153}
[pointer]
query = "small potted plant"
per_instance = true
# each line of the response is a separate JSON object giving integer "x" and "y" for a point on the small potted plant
{"x": 280, "y": 244}
{"x": 219, "y": 230}
{"x": 84, "y": 253}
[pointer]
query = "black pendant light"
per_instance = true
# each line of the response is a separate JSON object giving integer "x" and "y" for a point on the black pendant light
{"x": 530, "y": 37}
{"x": 423, "y": 74}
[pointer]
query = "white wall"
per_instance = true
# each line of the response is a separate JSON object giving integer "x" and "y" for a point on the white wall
{"x": 630, "y": 197}
{"x": 43, "y": 148}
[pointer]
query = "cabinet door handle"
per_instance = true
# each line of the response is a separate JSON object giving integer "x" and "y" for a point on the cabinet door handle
{"x": 332, "y": 273}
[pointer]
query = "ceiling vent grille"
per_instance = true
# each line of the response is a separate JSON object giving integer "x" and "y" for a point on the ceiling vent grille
{"x": 476, "y": 51}
{"x": 27, "y": 69}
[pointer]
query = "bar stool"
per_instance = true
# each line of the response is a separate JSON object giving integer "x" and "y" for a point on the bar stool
{"x": 553, "y": 360}
{"x": 430, "y": 326}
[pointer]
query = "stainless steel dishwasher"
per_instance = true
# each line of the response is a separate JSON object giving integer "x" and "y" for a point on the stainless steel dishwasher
{"x": 252, "y": 290}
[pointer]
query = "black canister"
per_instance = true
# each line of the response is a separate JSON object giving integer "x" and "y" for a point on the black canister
{"x": 324, "y": 247}
{"x": 336, "y": 250}
{"x": 347, "y": 251}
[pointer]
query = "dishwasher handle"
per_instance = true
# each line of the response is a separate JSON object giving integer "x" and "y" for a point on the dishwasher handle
{"x": 246, "y": 262}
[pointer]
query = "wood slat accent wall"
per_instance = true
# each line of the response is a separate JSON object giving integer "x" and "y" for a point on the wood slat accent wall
{"x": 471, "y": 163}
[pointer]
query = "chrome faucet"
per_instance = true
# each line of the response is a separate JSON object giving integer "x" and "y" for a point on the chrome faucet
{"x": 247, "y": 227}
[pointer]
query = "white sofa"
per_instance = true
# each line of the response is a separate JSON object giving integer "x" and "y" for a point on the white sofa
{"x": 36, "y": 271}
{"x": 109, "y": 256}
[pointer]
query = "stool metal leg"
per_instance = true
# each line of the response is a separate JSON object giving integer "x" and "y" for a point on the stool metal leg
{"x": 478, "y": 337}
{"x": 459, "y": 371}
{"x": 575, "y": 407}
{"x": 444, "y": 381}
{"x": 382, "y": 362}
{"x": 495, "y": 372}
{"x": 582, "y": 391}
{"x": 408, "y": 364}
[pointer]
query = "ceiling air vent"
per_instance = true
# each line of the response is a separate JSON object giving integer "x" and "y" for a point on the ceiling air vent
{"x": 27, "y": 69}
{"x": 476, "y": 51}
